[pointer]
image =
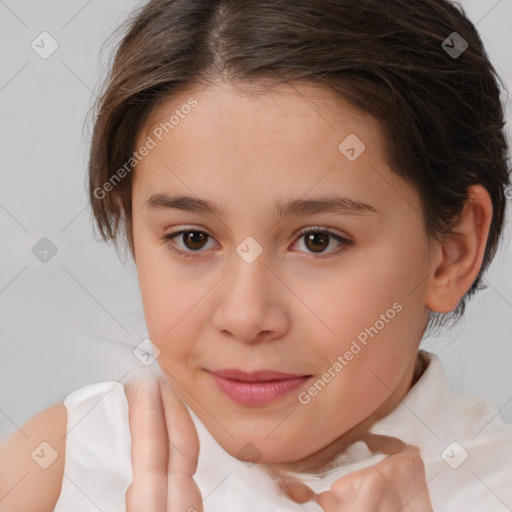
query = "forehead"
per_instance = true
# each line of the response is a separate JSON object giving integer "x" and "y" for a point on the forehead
{"x": 306, "y": 105}
{"x": 288, "y": 142}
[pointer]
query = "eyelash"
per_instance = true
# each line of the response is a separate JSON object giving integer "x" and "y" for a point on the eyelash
{"x": 345, "y": 243}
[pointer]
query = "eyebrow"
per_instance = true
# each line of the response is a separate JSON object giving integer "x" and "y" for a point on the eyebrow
{"x": 334, "y": 204}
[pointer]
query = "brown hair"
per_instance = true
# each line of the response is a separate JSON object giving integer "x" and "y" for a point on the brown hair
{"x": 440, "y": 113}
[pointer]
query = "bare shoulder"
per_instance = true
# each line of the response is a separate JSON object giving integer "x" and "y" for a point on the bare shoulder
{"x": 32, "y": 463}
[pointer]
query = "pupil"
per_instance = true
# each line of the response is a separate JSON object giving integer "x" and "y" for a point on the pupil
{"x": 323, "y": 238}
{"x": 193, "y": 238}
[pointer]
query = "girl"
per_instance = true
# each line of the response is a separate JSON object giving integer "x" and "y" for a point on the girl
{"x": 306, "y": 188}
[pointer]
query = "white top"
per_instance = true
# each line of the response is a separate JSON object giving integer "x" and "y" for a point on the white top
{"x": 465, "y": 445}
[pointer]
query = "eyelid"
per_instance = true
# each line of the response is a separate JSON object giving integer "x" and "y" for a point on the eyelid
{"x": 325, "y": 229}
{"x": 343, "y": 239}
{"x": 169, "y": 236}
{"x": 180, "y": 229}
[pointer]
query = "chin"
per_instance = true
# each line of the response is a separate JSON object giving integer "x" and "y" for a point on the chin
{"x": 264, "y": 451}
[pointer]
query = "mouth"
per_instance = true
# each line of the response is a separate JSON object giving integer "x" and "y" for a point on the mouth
{"x": 257, "y": 388}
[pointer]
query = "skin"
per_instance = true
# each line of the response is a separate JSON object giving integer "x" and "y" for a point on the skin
{"x": 290, "y": 310}
{"x": 208, "y": 314}
{"x": 165, "y": 450}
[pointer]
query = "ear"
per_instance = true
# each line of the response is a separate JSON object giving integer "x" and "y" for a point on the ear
{"x": 460, "y": 255}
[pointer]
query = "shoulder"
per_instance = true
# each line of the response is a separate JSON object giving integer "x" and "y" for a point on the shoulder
{"x": 86, "y": 434}
{"x": 98, "y": 448}
{"x": 98, "y": 434}
{"x": 32, "y": 463}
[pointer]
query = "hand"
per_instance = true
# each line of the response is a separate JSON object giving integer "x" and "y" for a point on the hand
{"x": 165, "y": 449}
{"x": 396, "y": 484}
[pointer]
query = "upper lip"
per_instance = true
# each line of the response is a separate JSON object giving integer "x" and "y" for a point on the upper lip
{"x": 257, "y": 376}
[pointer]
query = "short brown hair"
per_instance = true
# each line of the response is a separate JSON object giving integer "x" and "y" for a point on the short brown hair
{"x": 440, "y": 113}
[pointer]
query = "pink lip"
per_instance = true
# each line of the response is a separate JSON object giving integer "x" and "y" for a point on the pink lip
{"x": 257, "y": 388}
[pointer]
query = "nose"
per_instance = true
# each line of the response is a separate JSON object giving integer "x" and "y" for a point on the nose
{"x": 252, "y": 302}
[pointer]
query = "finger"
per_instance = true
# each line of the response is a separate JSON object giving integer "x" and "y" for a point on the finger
{"x": 183, "y": 494}
{"x": 183, "y": 438}
{"x": 382, "y": 444}
{"x": 396, "y": 483}
{"x": 404, "y": 468}
{"x": 149, "y": 448}
{"x": 407, "y": 472}
{"x": 361, "y": 491}
{"x": 329, "y": 501}
{"x": 294, "y": 489}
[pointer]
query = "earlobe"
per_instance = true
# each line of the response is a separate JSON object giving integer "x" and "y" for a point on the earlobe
{"x": 461, "y": 253}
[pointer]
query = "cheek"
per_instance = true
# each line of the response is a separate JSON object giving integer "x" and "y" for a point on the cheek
{"x": 356, "y": 299}
{"x": 172, "y": 305}
{"x": 374, "y": 321}
{"x": 160, "y": 291}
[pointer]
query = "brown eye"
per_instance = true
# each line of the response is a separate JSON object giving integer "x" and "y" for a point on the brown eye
{"x": 194, "y": 240}
{"x": 317, "y": 241}
{"x": 191, "y": 241}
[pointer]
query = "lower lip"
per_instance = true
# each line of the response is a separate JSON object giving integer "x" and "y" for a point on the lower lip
{"x": 257, "y": 393}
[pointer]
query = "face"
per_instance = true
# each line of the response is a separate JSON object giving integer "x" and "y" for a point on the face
{"x": 312, "y": 262}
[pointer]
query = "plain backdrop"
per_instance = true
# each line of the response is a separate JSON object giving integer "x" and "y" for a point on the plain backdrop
{"x": 74, "y": 319}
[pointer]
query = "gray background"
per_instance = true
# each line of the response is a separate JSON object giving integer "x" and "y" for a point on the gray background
{"x": 75, "y": 319}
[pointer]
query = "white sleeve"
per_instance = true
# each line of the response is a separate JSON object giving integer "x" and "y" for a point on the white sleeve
{"x": 97, "y": 468}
